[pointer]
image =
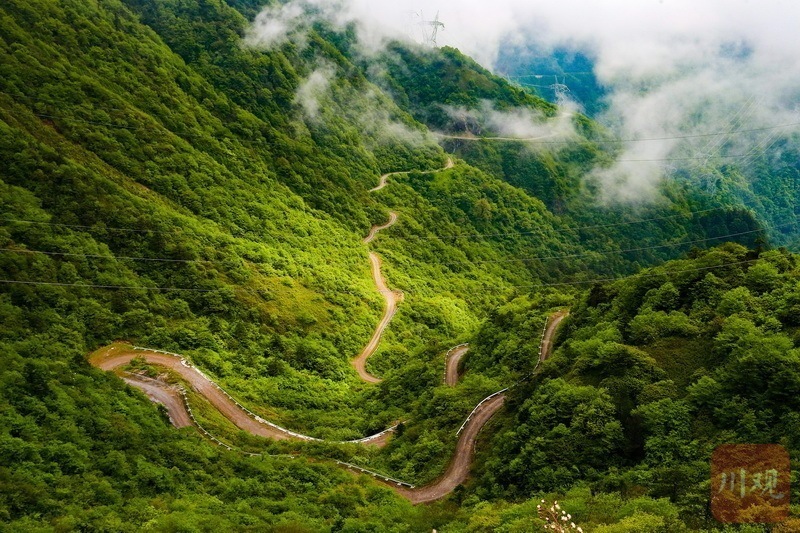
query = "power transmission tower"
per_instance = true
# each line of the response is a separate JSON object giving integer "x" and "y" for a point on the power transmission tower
{"x": 560, "y": 90}
{"x": 430, "y": 29}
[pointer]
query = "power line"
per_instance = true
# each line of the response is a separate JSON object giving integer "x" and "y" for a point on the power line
{"x": 579, "y": 228}
{"x": 192, "y": 289}
{"x": 141, "y": 114}
{"x": 95, "y": 286}
{"x": 112, "y": 257}
{"x": 499, "y": 234}
{"x": 609, "y": 252}
{"x": 92, "y": 122}
{"x": 465, "y": 236}
{"x": 94, "y": 228}
{"x": 155, "y": 128}
{"x": 643, "y": 275}
{"x": 521, "y": 259}
{"x": 714, "y": 146}
{"x": 537, "y": 76}
{"x": 497, "y": 261}
{"x": 746, "y": 156}
{"x": 537, "y": 140}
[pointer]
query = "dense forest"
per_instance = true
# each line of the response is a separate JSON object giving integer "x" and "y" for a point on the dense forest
{"x": 168, "y": 184}
{"x": 651, "y": 374}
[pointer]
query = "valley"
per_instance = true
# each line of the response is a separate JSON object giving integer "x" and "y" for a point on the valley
{"x": 261, "y": 272}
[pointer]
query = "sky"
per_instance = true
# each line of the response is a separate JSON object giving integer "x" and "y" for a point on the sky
{"x": 672, "y": 67}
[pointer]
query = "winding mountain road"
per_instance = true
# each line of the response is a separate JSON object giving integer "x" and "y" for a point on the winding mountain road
{"x": 459, "y": 467}
{"x": 382, "y": 180}
{"x": 392, "y": 298}
{"x": 118, "y": 355}
{"x": 373, "y": 232}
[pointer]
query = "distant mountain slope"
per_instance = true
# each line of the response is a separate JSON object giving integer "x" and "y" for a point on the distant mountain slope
{"x": 539, "y": 69}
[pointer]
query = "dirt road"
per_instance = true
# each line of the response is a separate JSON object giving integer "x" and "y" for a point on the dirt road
{"x": 118, "y": 355}
{"x": 453, "y": 360}
{"x": 547, "y": 339}
{"x": 382, "y": 181}
{"x": 459, "y": 467}
{"x": 389, "y": 309}
{"x": 373, "y": 232}
{"x": 391, "y": 297}
{"x": 168, "y": 397}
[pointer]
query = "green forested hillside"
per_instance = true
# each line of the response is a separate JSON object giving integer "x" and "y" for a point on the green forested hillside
{"x": 164, "y": 183}
{"x": 651, "y": 374}
{"x": 554, "y": 168}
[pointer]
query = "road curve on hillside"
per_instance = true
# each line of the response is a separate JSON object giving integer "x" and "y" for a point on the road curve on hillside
{"x": 459, "y": 467}
{"x": 118, "y": 355}
{"x": 373, "y": 232}
{"x": 382, "y": 181}
{"x": 454, "y": 357}
{"x": 389, "y": 309}
{"x": 165, "y": 395}
{"x": 547, "y": 339}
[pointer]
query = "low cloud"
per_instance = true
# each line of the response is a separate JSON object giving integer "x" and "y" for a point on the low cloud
{"x": 371, "y": 111}
{"x": 277, "y": 25}
{"x": 314, "y": 90}
{"x": 522, "y": 124}
{"x": 672, "y": 68}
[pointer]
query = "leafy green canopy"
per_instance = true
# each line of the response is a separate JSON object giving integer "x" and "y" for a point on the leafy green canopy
{"x": 652, "y": 372}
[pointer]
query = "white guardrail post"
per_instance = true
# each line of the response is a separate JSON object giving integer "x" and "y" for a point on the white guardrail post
{"x": 377, "y": 475}
{"x": 476, "y": 409}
